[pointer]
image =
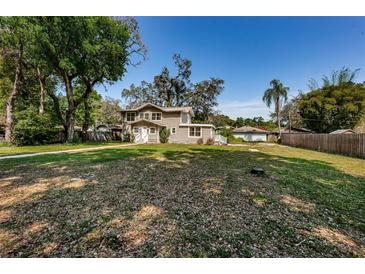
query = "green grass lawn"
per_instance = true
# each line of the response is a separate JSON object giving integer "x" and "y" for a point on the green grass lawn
{"x": 6, "y": 149}
{"x": 183, "y": 201}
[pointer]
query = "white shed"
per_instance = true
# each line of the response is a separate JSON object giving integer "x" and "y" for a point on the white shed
{"x": 250, "y": 134}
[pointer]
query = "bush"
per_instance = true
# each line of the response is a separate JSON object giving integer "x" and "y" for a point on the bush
{"x": 164, "y": 135}
{"x": 32, "y": 128}
{"x": 210, "y": 141}
{"x": 234, "y": 140}
{"x": 200, "y": 141}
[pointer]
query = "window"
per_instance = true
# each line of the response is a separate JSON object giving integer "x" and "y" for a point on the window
{"x": 184, "y": 118}
{"x": 131, "y": 116}
{"x": 152, "y": 130}
{"x": 147, "y": 116}
{"x": 135, "y": 130}
{"x": 194, "y": 131}
{"x": 173, "y": 130}
{"x": 156, "y": 116}
{"x": 141, "y": 115}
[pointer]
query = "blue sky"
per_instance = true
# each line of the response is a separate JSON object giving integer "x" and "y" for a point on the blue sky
{"x": 248, "y": 52}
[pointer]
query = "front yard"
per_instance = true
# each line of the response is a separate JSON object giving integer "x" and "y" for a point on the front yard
{"x": 183, "y": 201}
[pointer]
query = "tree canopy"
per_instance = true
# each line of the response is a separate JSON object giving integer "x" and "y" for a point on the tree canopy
{"x": 177, "y": 90}
{"x": 59, "y": 60}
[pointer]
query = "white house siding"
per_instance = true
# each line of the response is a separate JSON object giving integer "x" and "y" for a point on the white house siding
{"x": 251, "y": 137}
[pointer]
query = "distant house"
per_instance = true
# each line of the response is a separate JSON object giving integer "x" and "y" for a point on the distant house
{"x": 146, "y": 121}
{"x": 250, "y": 134}
{"x": 343, "y": 131}
{"x": 291, "y": 130}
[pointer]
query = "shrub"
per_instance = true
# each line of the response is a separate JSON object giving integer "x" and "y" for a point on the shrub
{"x": 32, "y": 128}
{"x": 234, "y": 140}
{"x": 164, "y": 135}
{"x": 200, "y": 141}
{"x": 210, "y": 141}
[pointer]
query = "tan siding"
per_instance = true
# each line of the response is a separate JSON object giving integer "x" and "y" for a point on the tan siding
{"x": 182, "y": 135}
{"x": 172, "y": 119}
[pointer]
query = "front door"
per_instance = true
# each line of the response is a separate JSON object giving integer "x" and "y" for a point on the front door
{"x": 144, "y": 135}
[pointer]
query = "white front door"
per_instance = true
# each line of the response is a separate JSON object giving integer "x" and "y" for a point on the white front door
{"x": 144, "y": 135}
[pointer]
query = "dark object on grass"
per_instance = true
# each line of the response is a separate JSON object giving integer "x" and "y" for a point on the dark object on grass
{"x": 258, "y": 171}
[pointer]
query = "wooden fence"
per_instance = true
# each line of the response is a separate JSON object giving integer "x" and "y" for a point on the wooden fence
{"x": 346, "y": 144}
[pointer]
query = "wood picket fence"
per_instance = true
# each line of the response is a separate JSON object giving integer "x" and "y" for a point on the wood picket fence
{"x": 345, "y": 144}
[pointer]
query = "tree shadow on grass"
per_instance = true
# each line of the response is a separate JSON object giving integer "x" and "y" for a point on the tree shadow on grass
{"x": 201, "y": 202}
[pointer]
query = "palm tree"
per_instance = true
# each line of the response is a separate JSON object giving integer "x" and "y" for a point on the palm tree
{"x": 277, "y": 94}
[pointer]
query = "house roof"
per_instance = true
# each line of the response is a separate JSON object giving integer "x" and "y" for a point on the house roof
{"x": 248, "y": 129}
{"x": 146, "y": 121}
{"x": 196, "y": 125}
{"x": 342, "y": 131}
{"x": 165, "y": 109}
{"x": 293, "y": 130}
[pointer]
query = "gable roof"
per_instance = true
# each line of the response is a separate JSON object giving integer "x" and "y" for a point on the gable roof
{"x": 164, "y": 109}
{"x": 248, "y": 129}
{"x": 342, "y": 131}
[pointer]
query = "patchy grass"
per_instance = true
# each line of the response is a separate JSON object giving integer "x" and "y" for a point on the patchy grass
{"x": 7, "y": 149}
{"x": 183, "y": 201}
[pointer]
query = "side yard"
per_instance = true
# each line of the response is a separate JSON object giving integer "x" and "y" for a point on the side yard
{"x": 6, "y": 149}
{"x": 183, "y": 201}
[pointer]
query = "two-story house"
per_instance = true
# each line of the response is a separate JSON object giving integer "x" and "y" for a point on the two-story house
{"x": 146, "y": 121}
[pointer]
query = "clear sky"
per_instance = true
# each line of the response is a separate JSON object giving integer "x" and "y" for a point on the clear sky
{"x": 248, "y": 52}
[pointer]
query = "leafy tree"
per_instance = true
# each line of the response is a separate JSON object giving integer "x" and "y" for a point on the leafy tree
{"x": 109, "y": 113}
{"x": 167, "y": 90}
{"x": 82, "y": 51}
{"x": 277, "y": 94}
{"x": 289, "y": 113}
{"x": 220, "y": 120}
{"x": 17, "y": 33}
{"x": 336, "y": 78}
{"x": 333, "y": 107}
{"x": 34, "y": 128}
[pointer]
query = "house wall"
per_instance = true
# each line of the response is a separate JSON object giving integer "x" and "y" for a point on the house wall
{"x": 251, "y": 137}
{"x": 170, "y": 120}
{"x": 182, "y": 135}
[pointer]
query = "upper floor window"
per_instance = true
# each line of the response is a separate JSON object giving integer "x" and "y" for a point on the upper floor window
{"x": 141, "y": 115}
{"x": 156, "y": 116}
{"x": 147, "y": 116}
{"x": 184, "y": 118}
{"x": 131, "y": 116}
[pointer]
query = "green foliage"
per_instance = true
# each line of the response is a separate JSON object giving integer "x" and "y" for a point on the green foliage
{"x": 234, "y": 140}
{"x": 164, "y": 135}
{"x": 33, "y": 128}
{"x": 220, "y": 120}
{"x": 178, "y": 90}
{"x": 109, "y": 113}
{"x": 333, "y": 107}
{"x": 255, "y": 122}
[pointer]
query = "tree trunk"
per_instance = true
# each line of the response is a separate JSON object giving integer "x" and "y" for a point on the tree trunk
{"x": 12, "y": 97}
{"x": 86, "y": 122}
{"x": 41, "y": 81}
{"x": 70, "y": 113}
{"x": 277, "y": 109}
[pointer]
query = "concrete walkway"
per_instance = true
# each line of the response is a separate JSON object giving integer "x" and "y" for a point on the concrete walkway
{"x": 63, "y": 151}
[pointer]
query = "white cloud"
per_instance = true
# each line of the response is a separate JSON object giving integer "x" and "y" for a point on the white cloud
{"x": 243, "y": 109}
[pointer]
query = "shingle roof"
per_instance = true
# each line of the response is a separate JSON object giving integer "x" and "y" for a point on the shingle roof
{"x": 342, "y": 131}
{"x": 248, "y": 129}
